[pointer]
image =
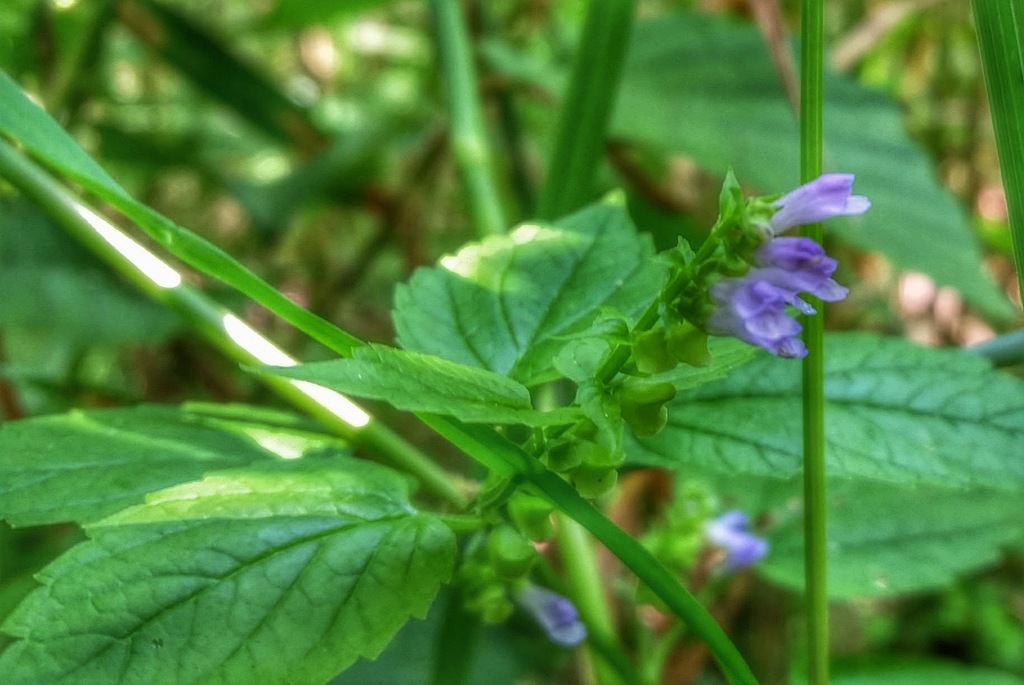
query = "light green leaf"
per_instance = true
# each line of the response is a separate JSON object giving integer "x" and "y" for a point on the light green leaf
{"x": 895, "y": 412}
{"x": 283, "y": 575}
{"x": 85, "y": 465}
{"x": 886, "y": 539}
{"x": 508, "y": 304}
{"x": 704, "y": 86}
{"x": 424, "y": 383}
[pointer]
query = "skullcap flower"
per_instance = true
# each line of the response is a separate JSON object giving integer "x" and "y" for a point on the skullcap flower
{"x": 555, "y": 614}
{"x": 752, "y": 307}
{"x": 827, "y": 196}
{"x": 743, "y": 548}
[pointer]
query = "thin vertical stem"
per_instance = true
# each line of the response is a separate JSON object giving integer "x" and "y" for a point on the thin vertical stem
{"x": 470, "y": 144}
{"x": 584, "y": 577}
{"x": 815, "y": 540}
{"x": 587, "y": 108}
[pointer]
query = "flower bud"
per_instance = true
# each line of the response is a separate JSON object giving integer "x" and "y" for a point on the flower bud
{"x": 593, "y": 481}
{"x": 511, "y": 554}
{"x": 531, "y": 515}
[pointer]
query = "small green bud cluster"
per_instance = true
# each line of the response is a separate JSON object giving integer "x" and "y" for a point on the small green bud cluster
{"x": 497, "y": 562}
{"x": 588, "y": 457}
{"x": 677, "y": 538}
{"x": 743, "y": 227}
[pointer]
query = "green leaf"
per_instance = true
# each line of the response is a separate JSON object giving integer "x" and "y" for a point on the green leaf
{"x": 44, "y": 138}
{"x": 279, "y": 575}
{"x": 54, "y": 287}
{"x": 206, "y": 63}
{"x": 297, "y": 14}
{"x": 424, "y": 383}
{"x": 704, "y": 86}
{"x": 1000, "y": 27}
{"x": 886, "y": 539}
{"x": 895, "y": 412}
{"x": 85, "y": 465}
{"x": 509, "y": 303}
{"x": 922, "y": 673}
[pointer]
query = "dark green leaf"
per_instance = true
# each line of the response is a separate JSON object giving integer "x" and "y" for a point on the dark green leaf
{"x": 900, "y": 672}
{"x": 207, "y": 63}
{"x": 508, "y": 304}
{"x": 895, "y": 412}
{"x": 296, "y": 14}
{"x": 1001, "y": 41}
{"x": 53, "y": 286}
{"x": 281, "y": 575}
{"x": 88, "y": 464}
{"x": 886, "y": 539}
{"x": 425, "y": 383}
{"x": 704, "y": 86}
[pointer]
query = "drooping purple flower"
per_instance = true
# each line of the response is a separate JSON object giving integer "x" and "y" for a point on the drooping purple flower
{"x": 755, "y": 312}
{"x": 730, "y": 531}
{"x": 753, "y": 307}
{"x": 555, "y": 614}
{"x": 827, "y": 196}
{"x": 798, "y": 265}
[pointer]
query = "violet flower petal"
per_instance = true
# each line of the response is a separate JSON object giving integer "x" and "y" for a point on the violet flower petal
{"x": 730, "y": 532}
{"x": 827, "y": 196}
{"x": 555, "y": 614}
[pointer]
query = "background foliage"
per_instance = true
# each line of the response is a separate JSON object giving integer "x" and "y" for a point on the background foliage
{"x": 310, "y": 141}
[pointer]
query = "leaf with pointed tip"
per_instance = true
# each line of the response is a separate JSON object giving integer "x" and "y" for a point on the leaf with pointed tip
{"x": 424, "y": 383}
{"x": 510, "y": 303}
{"x": 85, "y": 465}
{"x": 281, "y": 575}
{"x": 896, "y": 412}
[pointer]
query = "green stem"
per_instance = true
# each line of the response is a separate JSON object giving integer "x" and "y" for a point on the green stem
{"x": 457, "y": 643}
{"x": 587, "y": 108}
{"x": 1003, "y": 350}
{"x": 470, "y": 145}
{"x": 218, "y": 325}
{"x": 815, "y": 512}
{"x": 500, "y": 454}
{"x": 583, "y": 576}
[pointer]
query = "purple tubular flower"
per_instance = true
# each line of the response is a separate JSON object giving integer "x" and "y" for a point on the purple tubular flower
{"x": 827, "y": 196}
{"x": 798, "y": 265}
{"x": 555, "y": 614}
{"x": 755, "y": 312}
{"x": 730, "y": 532}
{"x": 753, "y": 307}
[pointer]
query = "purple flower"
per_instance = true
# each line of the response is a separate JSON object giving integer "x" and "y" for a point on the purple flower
{"x": 755, "y": 312}
{"x": 827, "y": 196}
{"x": 753, "y": 306}
{"x": 556, "y": 615}
{"x": 798, "y": 265}
{"x": 742, "y": 548}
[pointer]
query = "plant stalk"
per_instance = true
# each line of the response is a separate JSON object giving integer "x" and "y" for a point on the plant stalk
{"x": 471, "y": 146}
{"x": 586, "y": 108}
{"x": 815, "y": 511}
